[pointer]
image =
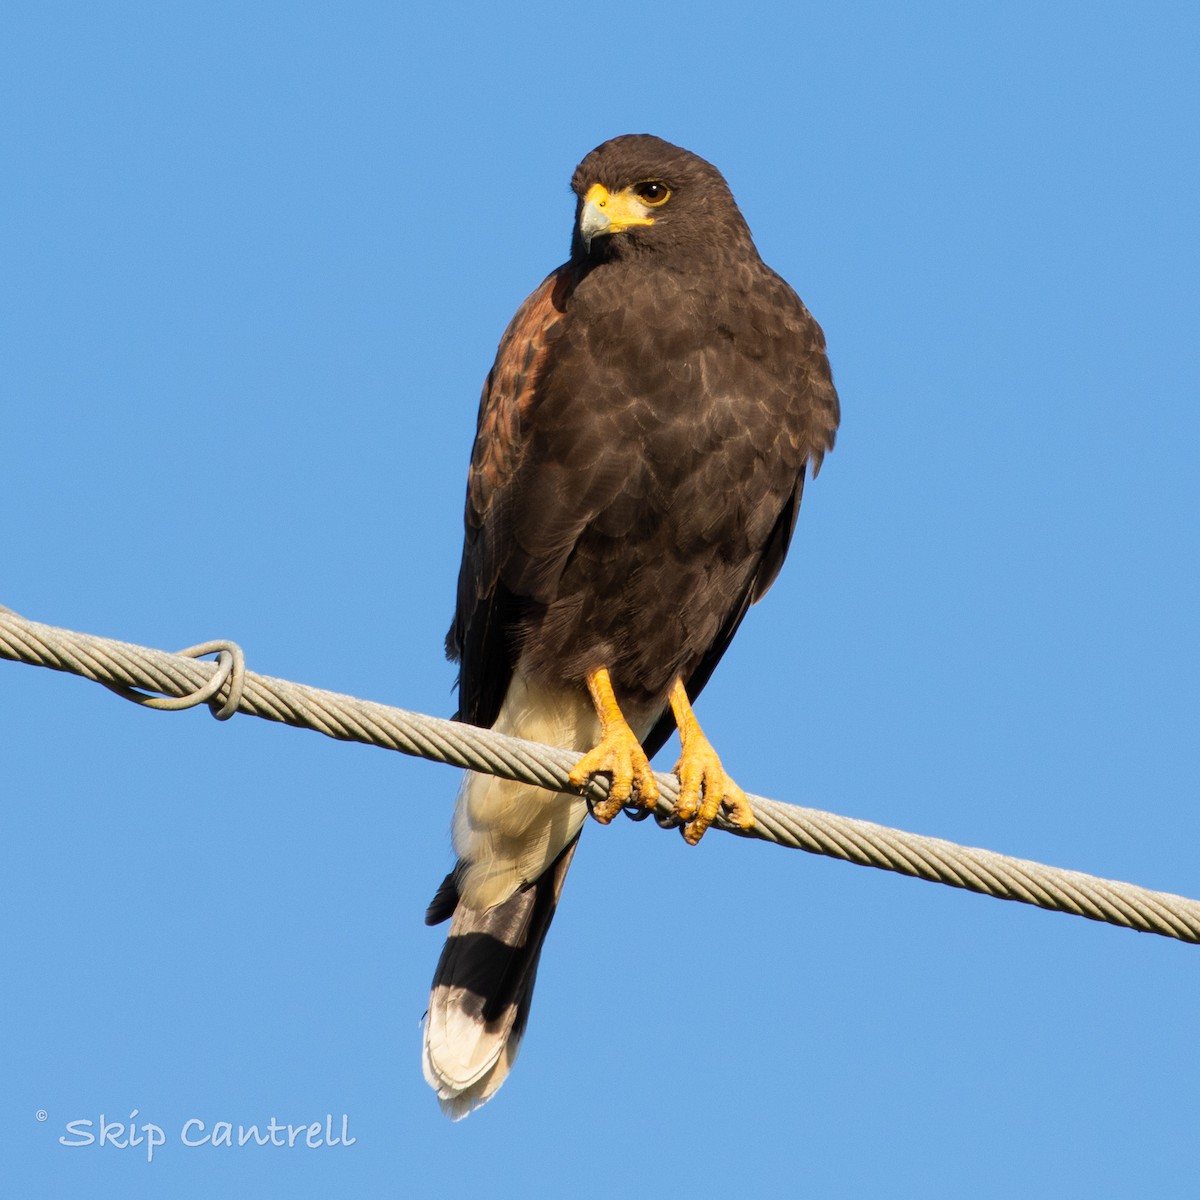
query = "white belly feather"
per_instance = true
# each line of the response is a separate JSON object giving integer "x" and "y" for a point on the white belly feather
{"x": 509, "y": 833}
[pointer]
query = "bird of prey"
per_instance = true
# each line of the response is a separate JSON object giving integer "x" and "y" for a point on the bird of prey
{"x": 642, "y": 445}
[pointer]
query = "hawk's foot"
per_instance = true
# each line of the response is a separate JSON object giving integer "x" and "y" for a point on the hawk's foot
{"x": 704, "y": 788}
{"x": 618, "y": 755}
{"x": 703, "y": 784}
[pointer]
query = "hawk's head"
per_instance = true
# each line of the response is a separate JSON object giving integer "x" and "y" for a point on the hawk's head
{"x": 638, "y": 195}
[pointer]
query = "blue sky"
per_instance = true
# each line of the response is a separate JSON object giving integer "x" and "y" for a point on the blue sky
{"x": 256, "y": 262}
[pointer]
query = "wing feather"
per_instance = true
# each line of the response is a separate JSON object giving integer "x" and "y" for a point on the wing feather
{"x": 487, "y": 612}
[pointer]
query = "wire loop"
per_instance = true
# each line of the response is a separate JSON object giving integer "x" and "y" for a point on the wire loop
{"x": 231, "y": 669}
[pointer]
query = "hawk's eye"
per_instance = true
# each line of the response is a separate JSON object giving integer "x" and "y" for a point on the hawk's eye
{"x": 652, "y": 192}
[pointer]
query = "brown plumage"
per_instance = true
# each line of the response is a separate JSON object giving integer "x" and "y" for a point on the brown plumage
{"x": 642, "y": 446}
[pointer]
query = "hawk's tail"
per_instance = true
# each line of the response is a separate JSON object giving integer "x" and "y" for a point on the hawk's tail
{"x": 483, "y": 986}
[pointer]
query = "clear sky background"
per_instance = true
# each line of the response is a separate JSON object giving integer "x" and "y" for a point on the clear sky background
{"x": 255, "y": 263}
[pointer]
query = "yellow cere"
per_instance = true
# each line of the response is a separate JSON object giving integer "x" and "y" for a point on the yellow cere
{"x": 623, "y": 209}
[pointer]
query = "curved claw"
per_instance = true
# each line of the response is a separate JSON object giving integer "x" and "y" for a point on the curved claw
{"x": 620, "y": 756}
{"x": 703, "y": 784}
{"x": 704, "y": 788}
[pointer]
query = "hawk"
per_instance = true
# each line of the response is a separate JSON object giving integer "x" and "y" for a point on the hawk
{"x": 642, "y": 445}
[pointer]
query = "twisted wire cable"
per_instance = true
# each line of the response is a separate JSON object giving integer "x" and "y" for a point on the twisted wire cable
{"x": 133, "y": 671}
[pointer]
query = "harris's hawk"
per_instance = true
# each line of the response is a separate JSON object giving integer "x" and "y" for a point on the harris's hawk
{"x": 642, "y": 445}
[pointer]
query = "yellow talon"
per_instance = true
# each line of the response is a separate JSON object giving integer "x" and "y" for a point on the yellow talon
{"x": 618, "y": 754}
{"x": 703, "y": 784}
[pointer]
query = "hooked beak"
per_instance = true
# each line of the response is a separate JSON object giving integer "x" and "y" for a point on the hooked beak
{"x": 593, "y": 222}
{"x": 605, "y": 212}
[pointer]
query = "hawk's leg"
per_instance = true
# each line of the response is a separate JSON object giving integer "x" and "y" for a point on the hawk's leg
{"x": 700, "y": 771}
{"x": 619, "y": 755}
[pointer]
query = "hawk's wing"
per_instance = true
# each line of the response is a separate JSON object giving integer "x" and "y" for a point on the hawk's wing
{"x": 813, "y": 390}
{"x": 486, "y": 613}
